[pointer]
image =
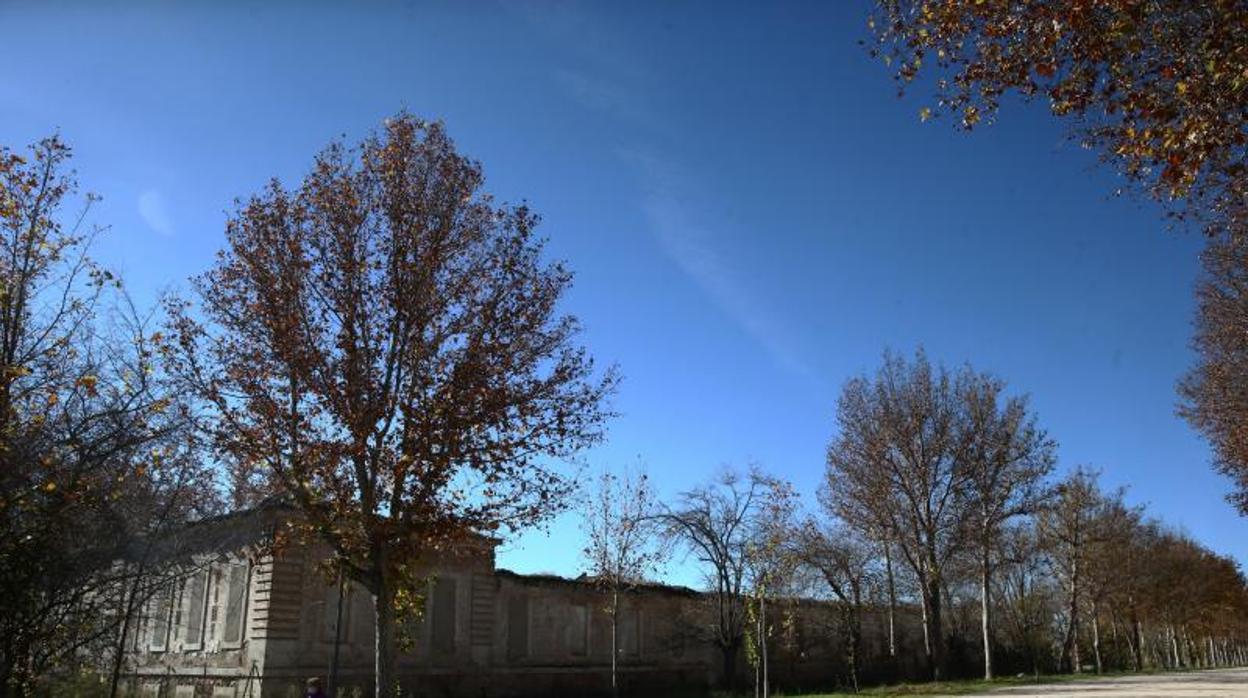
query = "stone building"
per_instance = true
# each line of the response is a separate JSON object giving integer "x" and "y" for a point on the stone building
{"x": 238, "y": 621}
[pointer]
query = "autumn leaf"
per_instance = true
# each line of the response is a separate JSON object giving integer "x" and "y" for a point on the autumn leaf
{"x": 88, "y": 384}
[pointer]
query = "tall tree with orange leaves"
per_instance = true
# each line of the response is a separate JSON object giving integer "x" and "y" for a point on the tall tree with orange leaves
{"x": 383, "y": 345}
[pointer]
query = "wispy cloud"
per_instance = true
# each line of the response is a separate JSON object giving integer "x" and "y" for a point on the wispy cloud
{"x": 154, "y": 212}
{"x": 691, "y": 245}
{"x": 582, "y": 32}
{"x": 602, "y": 70}
{"x": 608, "y": 96}
{"x": 615, "y": 78}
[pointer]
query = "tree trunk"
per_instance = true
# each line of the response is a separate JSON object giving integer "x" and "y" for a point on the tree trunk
{"x": 985, "y": 609}
{"x": 729, "y": 652}
{"x": 763, "y": 641}
{"x": 855, "y": 637}
{"x": 1138, "y": 645}
{"x": 1189, "y": 651}
{"x": 892, "y": 603}
{"x": 1133, "y": 650}
{"x": 1096, "y": 636}
{"x": 333, "y": 662}
{"x": 615, "y": 640}
{"x": 927, "y": 635}
{"x": 1174, "y": 648}
{"x": 931, "y": 592}
{"x": 1071, "y": 645}
{"x": 383, "y": 610}
{"x": 123, "y": 634}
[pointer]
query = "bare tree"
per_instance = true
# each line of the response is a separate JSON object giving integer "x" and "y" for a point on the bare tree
{"x": 624, "y": 547}
{"x": 844, "y": 561}
{"x": 1068, "y": 530}
{"x": 1009, "y": 459}
{"x": 1109, "y": 564}
{"x": 1027, "y": 592}
{"x": 383, "y": 344}
{"x": 897, "y": 464}
{"x": 714, "y": 523}
{"x": 769, "y": 570}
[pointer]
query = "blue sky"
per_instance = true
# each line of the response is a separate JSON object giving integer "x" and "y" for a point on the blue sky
{"x": 752, "y": 212}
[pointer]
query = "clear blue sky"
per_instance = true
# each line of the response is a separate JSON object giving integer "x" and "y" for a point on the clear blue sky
{"x": 752, "y": 213}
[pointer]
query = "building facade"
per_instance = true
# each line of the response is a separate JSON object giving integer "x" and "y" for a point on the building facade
{"x": 239, "y": 621}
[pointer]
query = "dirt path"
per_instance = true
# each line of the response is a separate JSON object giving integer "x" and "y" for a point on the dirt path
{"x": 1222, "y": 682}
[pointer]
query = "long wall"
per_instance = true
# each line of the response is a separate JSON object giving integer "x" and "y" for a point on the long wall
{"x": 236, "y": 628}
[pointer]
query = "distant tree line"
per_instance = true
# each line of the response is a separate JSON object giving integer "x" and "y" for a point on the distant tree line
{"x": 939, "y": 499}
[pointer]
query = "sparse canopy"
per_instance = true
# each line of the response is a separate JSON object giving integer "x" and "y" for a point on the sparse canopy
{"x": 623, "y": 546}
{"x": 1008, "y": 461}
{"x": 897, "y": 464}
{"x": 383, "y": 344}
{"x": 844, "y": 561}
{"x": 1069, "y": 532}
{"x": 94, "y": 450}
{"x": 716, "y": 523}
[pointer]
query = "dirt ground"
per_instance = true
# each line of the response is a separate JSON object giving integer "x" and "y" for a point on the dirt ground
{"x": 1222, "y": 682}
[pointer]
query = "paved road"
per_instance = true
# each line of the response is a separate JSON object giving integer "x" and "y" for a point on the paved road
{"x": 1221, "y": 682}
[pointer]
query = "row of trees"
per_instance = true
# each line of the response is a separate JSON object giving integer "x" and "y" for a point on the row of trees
{"x": 938, "y": 500}
{"x": 1157, "y": 88}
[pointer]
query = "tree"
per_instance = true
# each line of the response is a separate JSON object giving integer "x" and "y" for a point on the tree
{"x": 769, "y": 564}
{"x": 715, "y": 523}
{"x": 382, "y": 344}
{"x": 1009, "y": 458}
{"x": 95, "y": 455}
{"x": 897, "y": 464}
{"x": 1215, "y": 400}
{"x": 1156, "y": 86}
{"x": 1027, "y": 592}
{"x": 843, "y": 559}
{"x": 1108, "y": 562}
{"x": 623, "y": 547}
{"x": 1068, "y": 528}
